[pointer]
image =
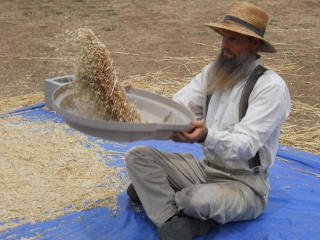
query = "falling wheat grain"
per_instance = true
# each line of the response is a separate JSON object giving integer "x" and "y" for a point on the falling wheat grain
{"x": 98, "y": 92}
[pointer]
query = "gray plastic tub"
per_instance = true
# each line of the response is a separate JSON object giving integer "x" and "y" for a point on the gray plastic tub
{"x": 51, "y": 84}
{"x": 161, "y": 117}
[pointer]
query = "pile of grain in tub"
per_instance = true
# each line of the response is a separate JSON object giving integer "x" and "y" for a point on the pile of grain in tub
{"x": 98, "y": 93}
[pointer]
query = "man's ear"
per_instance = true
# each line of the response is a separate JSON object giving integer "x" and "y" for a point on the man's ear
{"x": 256, "y": 43}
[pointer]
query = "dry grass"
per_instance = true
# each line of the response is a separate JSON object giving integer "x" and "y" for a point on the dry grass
{"x": 46, "y": 170}
{"x": 304, "y": 136}
{"x": 8, "y": 104}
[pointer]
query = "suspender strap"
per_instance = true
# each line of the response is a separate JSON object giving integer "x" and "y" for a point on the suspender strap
{"x": 244, "y": 102}
{"x": 243, "y": 106}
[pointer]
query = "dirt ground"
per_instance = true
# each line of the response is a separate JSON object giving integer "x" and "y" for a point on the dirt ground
{"x": 150, "y": 36}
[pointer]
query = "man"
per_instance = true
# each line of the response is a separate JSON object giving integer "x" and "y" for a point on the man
{"x": 183, "y": 196}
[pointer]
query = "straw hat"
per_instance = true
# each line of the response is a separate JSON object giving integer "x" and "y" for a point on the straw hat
{"x": 248, "y": 19}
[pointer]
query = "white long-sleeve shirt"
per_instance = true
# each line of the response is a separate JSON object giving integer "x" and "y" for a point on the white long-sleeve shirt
{"x": 230, "y": 143}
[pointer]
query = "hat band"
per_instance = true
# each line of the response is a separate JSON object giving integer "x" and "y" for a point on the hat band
{"x": 253, "y": 28}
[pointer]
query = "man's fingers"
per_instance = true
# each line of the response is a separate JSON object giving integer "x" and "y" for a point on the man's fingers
{"x": 128, "y": 85}
{"x": 178, "y": 137}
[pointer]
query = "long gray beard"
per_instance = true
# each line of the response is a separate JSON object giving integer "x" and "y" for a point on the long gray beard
{"x": 227, "y": 72}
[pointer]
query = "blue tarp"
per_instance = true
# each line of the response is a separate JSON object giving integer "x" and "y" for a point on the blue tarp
{"x": 293, "y": 211}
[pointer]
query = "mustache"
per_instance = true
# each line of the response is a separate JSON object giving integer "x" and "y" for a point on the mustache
{"x": 228, "y": 51}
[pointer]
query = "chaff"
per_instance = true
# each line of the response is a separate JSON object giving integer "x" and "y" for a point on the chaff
{"x": 46, "y": 170}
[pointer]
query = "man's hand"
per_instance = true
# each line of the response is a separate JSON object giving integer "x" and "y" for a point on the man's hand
{"x": 128, "y": 85}
{"x": 198, "y": 133}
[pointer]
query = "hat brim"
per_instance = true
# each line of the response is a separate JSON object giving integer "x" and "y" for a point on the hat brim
{"x": 218, "y": 27}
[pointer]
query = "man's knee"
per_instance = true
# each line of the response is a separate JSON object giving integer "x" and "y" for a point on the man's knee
{"x": 134, "y": 154}
{"x": 197, "y": 201}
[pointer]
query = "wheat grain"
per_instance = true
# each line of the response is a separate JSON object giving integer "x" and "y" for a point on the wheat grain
{"x": 98, "y": 92}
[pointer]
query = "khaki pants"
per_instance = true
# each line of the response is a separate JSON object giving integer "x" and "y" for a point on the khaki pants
{"x": 170, "y": 182}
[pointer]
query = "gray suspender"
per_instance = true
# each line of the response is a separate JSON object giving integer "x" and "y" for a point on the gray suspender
{"x": 254, "y": 162}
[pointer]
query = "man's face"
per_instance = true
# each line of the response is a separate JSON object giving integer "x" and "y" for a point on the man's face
{"x": 235, "y": 44}
{"x": 238, "y": 52}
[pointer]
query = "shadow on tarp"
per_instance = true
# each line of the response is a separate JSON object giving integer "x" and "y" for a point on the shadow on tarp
{"x": 293, "y": 211}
